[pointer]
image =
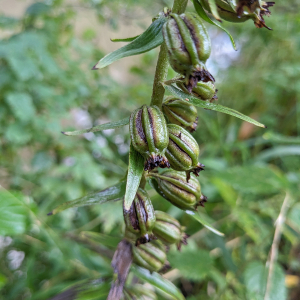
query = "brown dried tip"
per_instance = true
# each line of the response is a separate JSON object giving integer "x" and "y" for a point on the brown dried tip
{"x": 215, "y": 97}
{"x": 203, "y": 199}
{"x": 156, "y": 161}
{"x": 166, "y": 267}
{"x": 194, "y": 126}
{"x": 195, "y": 171}
{"x": 145, "y": 239}
{"x": 183, "y": 241}
{"x": 197, "y": 76}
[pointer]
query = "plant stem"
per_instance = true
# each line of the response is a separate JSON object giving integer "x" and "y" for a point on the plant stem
{"x": 162, "y": 65}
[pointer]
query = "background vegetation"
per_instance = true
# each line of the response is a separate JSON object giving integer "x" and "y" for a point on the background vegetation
{"x": 47, "y": 86}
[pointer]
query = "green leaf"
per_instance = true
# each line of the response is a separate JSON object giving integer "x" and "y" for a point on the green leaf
{"x": 201, "y": 219}
{"x": 294, "y": 216}
{"x": 17, "y": 134}
{"x": 158, "y": 282}
{"x": 201, "y": 12}
{"x": 279, "y": 138}
{"x": 279, "y": 151}
{"x": 211, "y": 106}
{"x": 126, "y": 39}
{"x": 103, "y": 239}
{"x": 225, "y": 190}
{"x": 12, "y": 214}
{"x": 255, "y": 278}
{"x": 148, "y": 40}
{"x": 193, "y": 264}
{"x": 135, "y": 172}
{"x": 214, "y": 9}
{"x": 278, "y": 289}
{"x": 38, "y": 9}
{"x": 21, "y": 105}
{"x": 264, "y": 181}
{"x": 3, "y": 280}
{"x": 113, "y": 193}
{"x": 110, "y": 125}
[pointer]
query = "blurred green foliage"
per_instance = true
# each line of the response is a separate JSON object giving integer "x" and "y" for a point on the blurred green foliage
{"x": 46, "y": 86}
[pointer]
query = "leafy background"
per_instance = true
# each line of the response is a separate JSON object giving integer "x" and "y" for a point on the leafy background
{"x": 47, "y": 86}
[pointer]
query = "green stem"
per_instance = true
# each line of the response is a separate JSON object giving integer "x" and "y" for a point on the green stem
{"x": 162, "y": 65}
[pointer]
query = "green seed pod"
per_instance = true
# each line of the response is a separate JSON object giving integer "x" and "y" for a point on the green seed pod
{"x": 181, "y": 113}
{"x": 139, "y": 292}
{"x": 183, "y": 151}
{"x": 172, "y": 186}
{"x": 151, "y": 256}
{"x": 229, "y": 11}
{"x": 149, "y": 136}
{"x": 203, "y": 90}
{"x": 140, "y": 218}
{"x": 169, "y": 230}
{"x": 188, "y": 47}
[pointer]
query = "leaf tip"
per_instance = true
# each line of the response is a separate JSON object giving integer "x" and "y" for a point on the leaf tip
{"x": 265, "y": 126}
{"x": 95, "y": 67}
{"x": 63, "y": 132}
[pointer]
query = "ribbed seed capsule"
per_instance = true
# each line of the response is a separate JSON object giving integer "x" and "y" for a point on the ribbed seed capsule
{"x": 203, "y": 90}
{"x": 172, "y": 186}
{"x": 181, "y": 113}
{"x": 140, "y": 218}
{"x": 151, "y": 256}
{"x": 183, "y": 151}
{"x": 149, "y": 136}
{"x": 229, "y": 11}
{"x": 169, "y": 230}
{"x": 188, "y": 47}
{"x": 139, "y": 292}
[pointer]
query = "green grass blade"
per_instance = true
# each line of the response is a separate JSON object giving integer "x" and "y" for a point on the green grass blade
{"x": 148, "y": 40}
{"x": 202, "y": 13}
{"x": 199, "y": 217}
{"x": 158, "y": 282}
{"x": 211, "y": 106}
{"x": 113, "y": 193}
{"x": 110, "y": 125}
{"x": 126, "y": 39}
{"x": 135, "y": 172}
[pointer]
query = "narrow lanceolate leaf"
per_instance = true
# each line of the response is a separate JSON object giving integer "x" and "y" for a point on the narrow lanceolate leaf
{"x": 158, "y": 282}
{"x": 13, "y": 213}
{"x": 113, "y": 193}
{"x": 202, "y": 13}
{"x": 130, "y": 39}
{"x": 214, "y": 9}
{"x": 198, "y": 217}
{"x": 212, "y": 106}
{"x": 135, "y": 172}
{"x": 110, "y": 125}
{"x": 148, "y": 40}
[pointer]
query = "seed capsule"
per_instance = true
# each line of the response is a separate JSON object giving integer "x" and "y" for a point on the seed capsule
{"x": 203, "y": 90}
{"x": 172, "y": 186}
{"x": 139, "y": 292}
{"x": 169, "y": 230}
{"x": 149, "y": 136}
{"x": 181, "y": 113}
{"x": 183, "y": 151}
{"x": 151, "y": 256}
{"x": 140, "y": 218}
{"x": 188, "y": 47}
{"x": 235, "y": 13}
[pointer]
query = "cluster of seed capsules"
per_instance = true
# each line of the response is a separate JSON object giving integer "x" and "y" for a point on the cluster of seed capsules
{"x": 163, "y": 138}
